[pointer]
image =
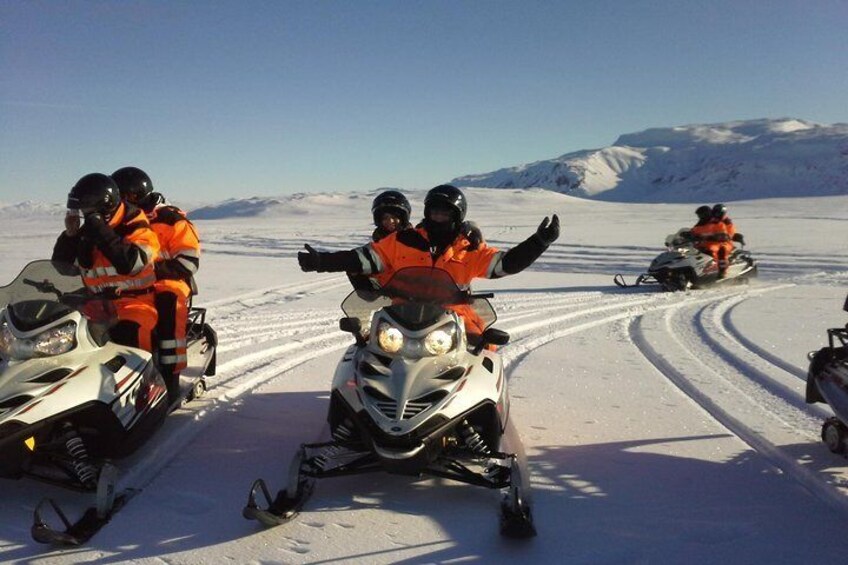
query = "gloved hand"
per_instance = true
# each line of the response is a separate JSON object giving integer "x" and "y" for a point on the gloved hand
{"x": 94, "y": 226}
{"x": 72, "y": 223}
{"x": 473, "y": 234}
{"x": 548, "y": 232}
{"x": 739, "y": 238}
{"x": 309, "y": 261}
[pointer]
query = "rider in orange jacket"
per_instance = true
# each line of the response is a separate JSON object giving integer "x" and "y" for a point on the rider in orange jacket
{"x": 115, "y": 250}
{"x": 438, "y": 242}
{"x": 176, "y": 266}
{"x": 715, "y": 233}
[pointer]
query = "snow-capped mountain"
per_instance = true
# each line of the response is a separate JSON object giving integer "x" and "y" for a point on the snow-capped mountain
{"x": 725, "y": 161}
{"x": 29, "y": 209}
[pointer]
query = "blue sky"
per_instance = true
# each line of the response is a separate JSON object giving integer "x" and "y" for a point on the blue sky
{"x": 232, "y": 99}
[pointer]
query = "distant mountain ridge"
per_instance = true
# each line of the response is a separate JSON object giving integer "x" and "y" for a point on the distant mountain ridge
{"x": 736, "y": 160}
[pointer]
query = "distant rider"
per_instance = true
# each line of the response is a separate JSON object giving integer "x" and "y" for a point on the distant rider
{"x": 711, "y": 237}
{"x": 438, "y": 242}
{"x": 115, "y": 250}
{"x": 178, "y": 261}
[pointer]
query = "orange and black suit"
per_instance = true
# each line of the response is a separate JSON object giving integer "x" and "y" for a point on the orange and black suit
{"x": 412, "y": 248}
{"x": 712, "y": 237}
{"x": 178, "y": 261}
{"x": 116, "y": 259}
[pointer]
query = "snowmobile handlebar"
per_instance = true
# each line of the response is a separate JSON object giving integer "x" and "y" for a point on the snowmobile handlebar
{"x": 44, "y": 286}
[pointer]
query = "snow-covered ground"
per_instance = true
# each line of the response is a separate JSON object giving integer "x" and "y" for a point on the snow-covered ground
{"x": 661, "y": 428}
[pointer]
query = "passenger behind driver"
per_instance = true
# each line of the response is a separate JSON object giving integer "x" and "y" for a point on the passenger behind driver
{"x": 711, "y": 237}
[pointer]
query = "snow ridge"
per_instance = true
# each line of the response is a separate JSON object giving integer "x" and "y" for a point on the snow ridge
{"x": 736, "y": 160}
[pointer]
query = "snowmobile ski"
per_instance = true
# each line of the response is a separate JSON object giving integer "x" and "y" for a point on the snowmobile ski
{"x": 516, "y": 517}
{"x": 92, "y": 520}
{"x": 284, "y": 507}
{"x": 644, "y": 278}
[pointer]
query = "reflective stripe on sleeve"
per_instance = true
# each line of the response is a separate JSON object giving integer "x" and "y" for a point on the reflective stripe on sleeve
{"x": 495, "y": 269}
{"x": 370, "y": 260}
{"x": 172, "y": 359}
{"x": 190, "y": 263}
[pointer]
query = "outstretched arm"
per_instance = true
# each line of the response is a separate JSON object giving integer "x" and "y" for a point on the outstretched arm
{"x": 525, "y": 253}
{"x": 361, "y": 260}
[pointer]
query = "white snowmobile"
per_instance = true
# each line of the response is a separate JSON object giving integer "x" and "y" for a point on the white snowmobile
{"x": 412, "y": 396}
{"x": 683, "y": 266}
{"x": 72, "y": 400}
{"x": 827, "y": 381}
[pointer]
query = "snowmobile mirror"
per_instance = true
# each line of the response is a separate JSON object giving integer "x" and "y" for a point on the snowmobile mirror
{"x": 353, "y": 326}
{"x": 495, "y": 336}
{"x": 491, "y": 336}
{"x": 350, "y": 325}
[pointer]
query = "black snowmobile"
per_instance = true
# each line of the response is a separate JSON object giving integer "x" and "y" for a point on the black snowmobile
{"x": 413, "y": 397}
{"x": 827, "y": 381}
{"x": 683, "y": 266}
{"x": 71, "y": 399}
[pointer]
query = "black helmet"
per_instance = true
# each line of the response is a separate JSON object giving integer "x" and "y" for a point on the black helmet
{"x": 704, "y": 212}
{"x": 719, "y": 211}
{"x": 393, "y": 202}
{"x": 95, "y": 193}
{"x": 449, "y": 197}
{"x": 134, "y": 184}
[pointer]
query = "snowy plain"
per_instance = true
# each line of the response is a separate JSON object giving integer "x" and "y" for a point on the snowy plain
{"x": 660, "y": 428}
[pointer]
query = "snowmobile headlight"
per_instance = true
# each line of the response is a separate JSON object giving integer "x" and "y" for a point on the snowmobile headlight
{"x": 389, "y": 338}
{"x": 48, "y": 343}
{"x": 440, "y": 341}
{"x": 6, "y": 340}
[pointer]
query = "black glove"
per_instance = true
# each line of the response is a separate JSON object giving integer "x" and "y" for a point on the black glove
{"x": 739, "y": 238}
{"x": 473, "y": 234}
{"x": 309, "y": 261}
{"x": 95, "y": 227}
{"x": 548, "y": 232}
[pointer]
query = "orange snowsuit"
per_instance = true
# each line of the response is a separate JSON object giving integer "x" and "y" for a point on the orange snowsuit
{"x": 178, "y": 260}
{"x": 411, "y": 248}
{"x": 132, "y": 285}
{"x": 713, "y": 238}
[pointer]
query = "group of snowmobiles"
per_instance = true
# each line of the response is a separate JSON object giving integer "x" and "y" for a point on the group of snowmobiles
{"x": 683, "y": 266}
{"x": 413, "y": 395}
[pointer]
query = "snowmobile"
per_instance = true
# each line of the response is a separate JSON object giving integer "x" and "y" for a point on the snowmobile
{"x": 827, "y": 381}
{"x": 414, "y": 395}
{"x": 72, "y": 400}
{"x": 683, "y": 266}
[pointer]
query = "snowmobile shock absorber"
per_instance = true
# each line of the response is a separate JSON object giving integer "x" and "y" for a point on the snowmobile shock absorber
{"x": 85, "y": 471}
{"x": 472, "y": 439}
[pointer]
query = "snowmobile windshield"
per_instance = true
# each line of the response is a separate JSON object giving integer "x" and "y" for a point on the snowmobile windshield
{"x": 683, "y": 238}
{"x": 44, "y": 291}
{"x": 417, "y": 295}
